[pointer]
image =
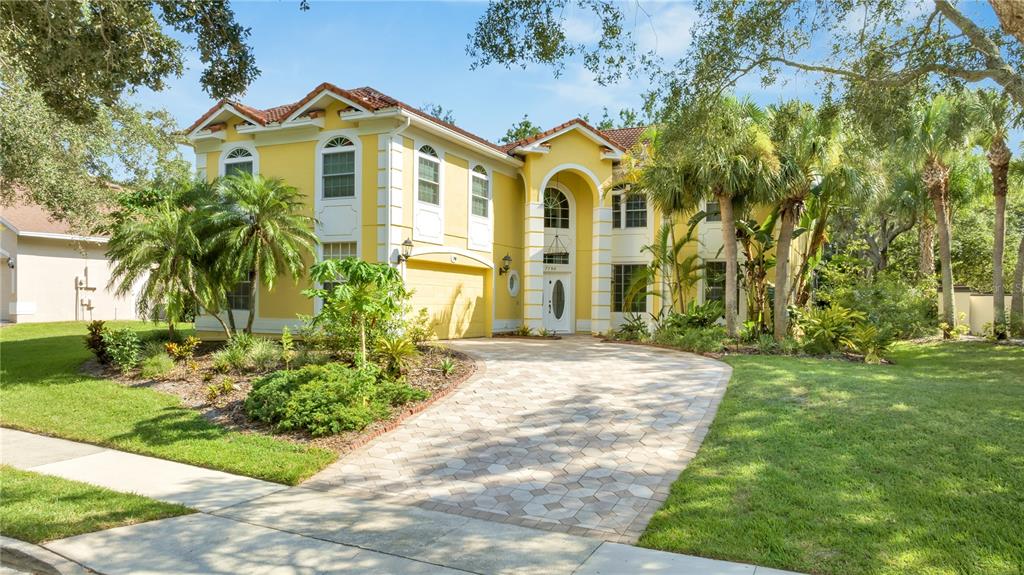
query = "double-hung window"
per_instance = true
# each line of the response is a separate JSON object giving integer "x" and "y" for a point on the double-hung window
{"x": 240, "y": 296}
{"x": 481, "y": 192}
{"x": 339, "y": 168}
{"x": 713, "y": 212}
{"x": 628, "y": 210}
{"x": 714, "y": 281}
{"x": 337, "y": 251}
{"x": 428, "y": 185}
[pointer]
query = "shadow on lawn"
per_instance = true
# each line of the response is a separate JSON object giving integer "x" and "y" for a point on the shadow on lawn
{"x": 827, "y": 469}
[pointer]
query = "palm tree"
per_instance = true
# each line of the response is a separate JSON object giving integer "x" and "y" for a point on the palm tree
{"x": 991, "y": 118}
{"x": 936, "y": 136}
{"x": 259, "y": 225}
{"x": 681, "y": 272}
{"x": 810, "y": 148}
{"x": 1017, "y": 297}
{"x": 725, "y": 152}
{"x": 160, "y": 248}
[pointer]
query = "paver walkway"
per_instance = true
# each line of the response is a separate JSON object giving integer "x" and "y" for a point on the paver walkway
{"x": 574, "y": 435}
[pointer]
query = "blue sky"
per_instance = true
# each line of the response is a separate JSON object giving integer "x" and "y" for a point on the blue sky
{"x": 415, "y": 51}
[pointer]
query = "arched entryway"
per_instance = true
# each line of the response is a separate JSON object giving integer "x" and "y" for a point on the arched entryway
{"x": 559, "y": 258}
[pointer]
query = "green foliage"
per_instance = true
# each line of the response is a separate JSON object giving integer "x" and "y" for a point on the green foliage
{"x": 894, "y": 305}
{"x": 156, "y": 366}
{"x": 633, "y": 329}
{"x": 215, "y": 391}
{"x": 151, "y": 348}
{"x": 183, "y": 351}
{"x": 369, "y": 296}
{"x": 245, "y": 353}
{"x": 395, "y": 352}
{"x": 326, "y": 399}
{"x": 870, "y": 341}
{"x": 766, "y": 344}
{"x": 288, "y": 353}
{"x": 95, "y": 342}
{"x": 827, "y": 329}
{"x": 123, "y": 347}
{"x": 523, "y": 331}
{"x": 697, "y": 316}
{"x": 84, "y": 57}
{"x": 440, "y": 112}
{"x": 447, "y": 366}
{"x": 521, "y": 130}
{"x": 695, "y": 339}
{"x": 419, "y": 328}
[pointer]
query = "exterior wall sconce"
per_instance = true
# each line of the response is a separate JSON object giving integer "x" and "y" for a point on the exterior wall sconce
{"x": 10, "y": 262}
{"x": 406, "y": 250}
{"x": 506, "y": 263}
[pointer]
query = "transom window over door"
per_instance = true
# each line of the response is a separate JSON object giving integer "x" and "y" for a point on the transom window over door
{"x": 428, "y": 185}
{"x": 339, "y": 168}
{"x": 556, "y": 209}
{"x": 238, "y": 161}
{"x": 481, "y": 192}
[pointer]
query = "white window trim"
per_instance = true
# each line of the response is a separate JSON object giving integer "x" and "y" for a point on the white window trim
{"x": 488, "y": 242}
{"x": 318, "y": 304}
{"x": 704, "y": 208}
{"x": 513, "y": 275}
{"x": 353, "y": 202}
{"x": 322, "y": 151}
{"x": 228, "y": 148}
{"x": 419, "y": 205}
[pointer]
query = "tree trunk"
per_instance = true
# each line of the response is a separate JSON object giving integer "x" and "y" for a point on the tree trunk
{"x": 731, "y": 273}
{"x": 1017, "y": 299}
{"x": 228, "y": 331}
{"x": 782, "y": 270}
{"x": 936, "y": 177}
{"x": 926, "y": 247}
{"x": 999, "y": 164}
{"x": 802, "y": 288}
{"x": 1011, "y": 17}
{"x": 253, "y": 286}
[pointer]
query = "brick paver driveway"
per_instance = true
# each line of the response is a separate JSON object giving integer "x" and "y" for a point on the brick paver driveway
{"x": 573, "y": 435}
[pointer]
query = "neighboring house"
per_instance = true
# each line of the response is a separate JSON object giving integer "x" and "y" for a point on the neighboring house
{"x": 49, "y": 273}
{"x": 378, "y": 173}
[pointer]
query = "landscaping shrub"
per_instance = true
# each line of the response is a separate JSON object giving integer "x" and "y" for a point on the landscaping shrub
{"x": 94, "y": 341}
{"x": 871, "y": 342}
{"x": 183, "y": 351}
{"x": 246, "y": 353}
{"x": 326, "y": 399}
{"x": 827, "y": 329}
{"x": 634, "y": 329}
{"x": 695, "y": 339}
{"x": 419, "y": 328}
{"x": 696, "y": 316}
{"x": 123, "y": 347}
{"x": 895, "y": 306}
{"x": 157, "y": 365}
{"x": 395, "y": 353}
{"x": 152, "y": 348}
{"x": 447, "y": 366}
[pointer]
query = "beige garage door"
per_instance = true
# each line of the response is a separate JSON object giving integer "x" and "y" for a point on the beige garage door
{"x": 453, "y": 296}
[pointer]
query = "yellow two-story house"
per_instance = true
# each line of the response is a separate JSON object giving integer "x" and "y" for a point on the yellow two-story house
{"x": 501, "y": 235}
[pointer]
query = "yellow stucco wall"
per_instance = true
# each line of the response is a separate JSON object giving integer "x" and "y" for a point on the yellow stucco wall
{"x": 509, "y": 205}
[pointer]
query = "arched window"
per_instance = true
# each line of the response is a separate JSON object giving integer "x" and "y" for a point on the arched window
{"x": 556, "y": 209}
{"x": 339, "y": 168}
{"x": 238, "y": 161}
{"x": 481, "y": 191}
{"x": 428, "y": 185}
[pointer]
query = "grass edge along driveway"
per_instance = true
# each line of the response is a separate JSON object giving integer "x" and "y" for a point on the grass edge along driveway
{"x": 42, "y": 390}
{"x": 37, "y": 507}
{"x": 831, "y": 467}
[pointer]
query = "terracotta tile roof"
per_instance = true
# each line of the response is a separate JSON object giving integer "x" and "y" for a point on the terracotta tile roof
{"x": 575, "y": 121}
{"x": 374, "y": 100}
{"x": 626, "y": 137}
{"x": 29, "y": 217}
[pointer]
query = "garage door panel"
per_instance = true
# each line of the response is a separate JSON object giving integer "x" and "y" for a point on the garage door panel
{"x": 454, "y": 299}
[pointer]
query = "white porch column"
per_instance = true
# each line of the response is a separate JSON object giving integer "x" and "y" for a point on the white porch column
{"x": 389, "y": 197}
{"x": 533, "y": 282}
{"x": 601, "y": 282}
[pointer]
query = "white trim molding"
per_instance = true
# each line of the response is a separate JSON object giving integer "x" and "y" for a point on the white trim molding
{"x": 428, "y": 218}
{"x": 338, "y": 219}
{"x": 250, "y": 147}
{"x": 480, "y": 229}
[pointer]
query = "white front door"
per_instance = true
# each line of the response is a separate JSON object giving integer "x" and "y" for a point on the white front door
{"x": 557, "y": 302}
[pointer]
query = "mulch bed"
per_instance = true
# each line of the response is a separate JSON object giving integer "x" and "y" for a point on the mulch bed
{"x": 190, "y": 383}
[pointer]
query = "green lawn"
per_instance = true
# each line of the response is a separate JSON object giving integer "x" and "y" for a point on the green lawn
{"x": 42, "y": 390}
{"x": 37, "y": 507}
{"x": 841, "y": 468}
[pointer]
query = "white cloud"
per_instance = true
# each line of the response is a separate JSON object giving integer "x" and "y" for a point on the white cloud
{"x": 581, "y": 29}
{"x": 576, "y": 89}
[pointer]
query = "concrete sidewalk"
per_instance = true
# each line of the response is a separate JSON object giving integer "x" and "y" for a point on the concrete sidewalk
{"x": 252, "y": 526}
